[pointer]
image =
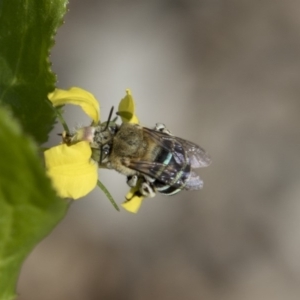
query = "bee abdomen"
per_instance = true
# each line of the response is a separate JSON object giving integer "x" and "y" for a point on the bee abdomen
{"x": 175, "y": 183}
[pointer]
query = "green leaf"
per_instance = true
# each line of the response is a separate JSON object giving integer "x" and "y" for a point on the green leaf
{"x": 26, "y": 36}
{"x": 29, "y": 207}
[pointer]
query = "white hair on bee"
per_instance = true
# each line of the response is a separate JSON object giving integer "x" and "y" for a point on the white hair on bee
{"x": 83, "y": 134}
{"x": 77, "y": 126}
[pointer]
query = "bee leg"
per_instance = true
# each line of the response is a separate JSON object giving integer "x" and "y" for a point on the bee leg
{"x": 132, "y": 180}
{"x": 145, "y": 187}
{"x": 162, "y": 128}
{"x": 147, "y": 190}
{"x": 149, "y": 179}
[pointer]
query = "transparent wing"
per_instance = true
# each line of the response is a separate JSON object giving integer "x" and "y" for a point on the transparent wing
{"x": 168, "y": 175}
{"x": 159, "y": 171}
{"x": 180, "y": 148}
{"x": 194, "y": 182}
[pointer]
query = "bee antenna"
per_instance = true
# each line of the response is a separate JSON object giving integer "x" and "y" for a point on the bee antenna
{"x": 101, "y": 157}
{"x": 107, "y": 124}
{"x": 109, "y": 118}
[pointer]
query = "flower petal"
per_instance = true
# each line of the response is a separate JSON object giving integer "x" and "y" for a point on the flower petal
{"x": 126, "y": 109}
{"x": 133, "y": 202}
{"x": 72, "y": 171}
{"x": 77, "y": 96}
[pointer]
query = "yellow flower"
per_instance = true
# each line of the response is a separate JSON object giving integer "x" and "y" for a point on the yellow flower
{"x": 133, "y": 202}
{"x": 77, "y": 96}
{"x": 70, "y": 167}
{"x": 126, "y": 109}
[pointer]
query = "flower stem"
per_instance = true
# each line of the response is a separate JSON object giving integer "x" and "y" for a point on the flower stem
{"x": 108, "y": 195}
{"x": 62, "y": 120}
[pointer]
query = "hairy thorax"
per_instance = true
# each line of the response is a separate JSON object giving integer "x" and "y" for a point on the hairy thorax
{"x": 129, "y": 144}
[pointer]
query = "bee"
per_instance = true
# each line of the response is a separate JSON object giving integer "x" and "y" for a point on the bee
{"x": 152, "y": 159}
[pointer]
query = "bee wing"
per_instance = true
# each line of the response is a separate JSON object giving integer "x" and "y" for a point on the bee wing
{"x": 180, "y": 148}
{"x": 168, "y": 175}
{"x": 194, "y": 182}
{"x": 197, "y": 155}
{"x": 159, "y": 171}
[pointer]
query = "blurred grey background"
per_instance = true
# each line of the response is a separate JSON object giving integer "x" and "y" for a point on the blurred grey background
{"x": 224, "y": 74}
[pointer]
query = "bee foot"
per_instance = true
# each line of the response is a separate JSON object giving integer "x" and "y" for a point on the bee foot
{"x": 147, "y": 190}
{"x": 132, "y": 180}
{"x": 162, "y": 128}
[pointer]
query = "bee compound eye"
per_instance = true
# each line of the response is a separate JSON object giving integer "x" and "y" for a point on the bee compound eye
{"x": 105, "y": 149}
